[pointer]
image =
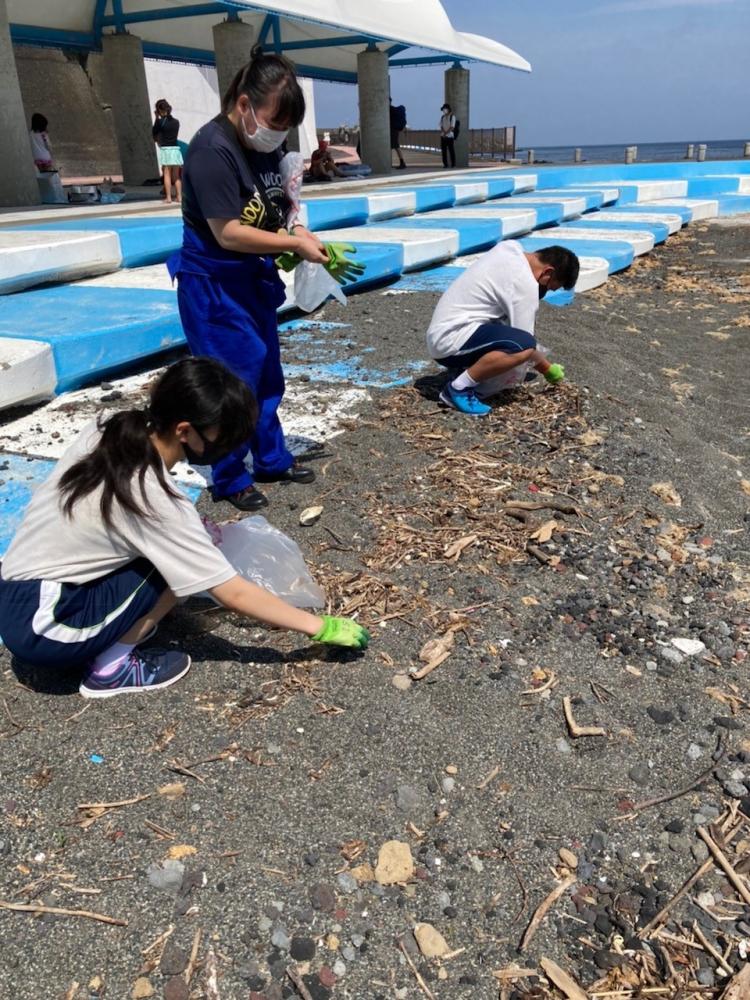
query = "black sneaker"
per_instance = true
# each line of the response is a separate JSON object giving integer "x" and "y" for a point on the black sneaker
{"x": 294, "y": 474}
{"x": 247, "y": 500}
{"x": 138, "y": 672}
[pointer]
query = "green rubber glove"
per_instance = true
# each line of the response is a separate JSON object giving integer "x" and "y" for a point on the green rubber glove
{"x": 341, "y": 267}
{"x": 342, "y": 632}
{"x": 288, "y": 260}
{"x": 555, "y": 374}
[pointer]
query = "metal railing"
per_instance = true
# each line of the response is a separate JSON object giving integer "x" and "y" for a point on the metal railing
{"x": 484, "y": 143}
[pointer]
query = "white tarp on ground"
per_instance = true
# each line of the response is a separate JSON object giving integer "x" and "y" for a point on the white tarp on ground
{"x": 420, "y": 23}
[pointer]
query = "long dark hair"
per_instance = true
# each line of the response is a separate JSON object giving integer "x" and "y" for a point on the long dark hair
{"x": 265, "y": 77}
{"x": 163, "y": 107}
{"x": 201, "y": 391}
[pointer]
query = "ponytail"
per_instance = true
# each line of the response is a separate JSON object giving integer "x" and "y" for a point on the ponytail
{"x": 200, "y": 391}
{"x": 268, "y": 77}
{"x": 124, "y": 450}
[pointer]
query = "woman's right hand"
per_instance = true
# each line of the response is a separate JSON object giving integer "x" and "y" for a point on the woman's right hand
{"x": 309, "y": 248}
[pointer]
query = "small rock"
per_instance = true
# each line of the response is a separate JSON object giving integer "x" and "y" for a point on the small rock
{"x": 699, "y": 851}
{"x": 670, "y": 655}
{"x": 329, "y": 976}
{"x": 302, "y": 949}
{"x": 347, "y": 882}
{"x": 408, "y": 798}
{"x": 401, "y": 681}
{"x": 661, "y": 716}
{"x": 675, "y": 826}
{"x": 706, "y": 977}
{"x": 431, "y": 942}
{"x": 173, "y": 960}
{"x": 727, "y": 722}
{"x": 562, "y": 745}
{"x": 280, "y": 939}
{"x": 608, "y": 959}
{"x": 568, "y": 858}
{"x": 176, "y": 989}
{"x": 322, "y": 897}
{"x": 640, "y": 774}
{"x": 395, "y": 863}
{"x": 448, "y": 785}
{"x": 166, "y": 875}
{"x": 142, "y": 989}
{"x": 695, "y": 752}
{"x": 349, "y": 953}
{"x": 690, "y": 647}
{"x": 339, "y": 968}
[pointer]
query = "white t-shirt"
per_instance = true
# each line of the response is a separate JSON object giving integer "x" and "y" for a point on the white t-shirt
{"x": 498, "y": 288}
{"x": 51, "y": 546}
{"x": 447, "y": 122}
{"x": 40, "y": 146}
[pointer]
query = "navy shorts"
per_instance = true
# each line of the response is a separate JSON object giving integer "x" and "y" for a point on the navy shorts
{"x": 489, "y": 337}
{"x": 48, "y": 624}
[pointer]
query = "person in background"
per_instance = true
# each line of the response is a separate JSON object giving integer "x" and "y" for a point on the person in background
{"x": 109, "y": 544}
{"x": 234, "y": 212}
{"x": 165, "y": 131}
{"x": 483, "y": 325}
{"x": 447, "y": 135}
{"x": 322, "y": 164}
{"x": 398, "y": 124}
{"x": 40, "y": 144}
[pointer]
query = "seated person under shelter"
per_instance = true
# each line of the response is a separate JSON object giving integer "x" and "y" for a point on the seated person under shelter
{"x": 483, "y": 325}
{"x": 322, "y": 164}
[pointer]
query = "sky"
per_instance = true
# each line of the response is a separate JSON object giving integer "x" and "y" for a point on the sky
{"x": 613, "y": 71}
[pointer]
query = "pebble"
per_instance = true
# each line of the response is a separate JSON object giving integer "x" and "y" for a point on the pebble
{"x": 322, "y": 897}
{"x": 401, "y": 682}
{"x": 679, "y": 843}
{"x": 735, "y": 788}
{"x": 280, "y": 939}
{"x": 661, "y": 716}
{"x": 695, "y": 752}
{"x": 166, "y": 875}
{"x": 607, "y": 959}
{"x": 699, "y": 851}
{"x": 562, "y": 745}
{"x": 670, "y": 655}
{"x": 690, "y": 647}
{"x": 675, "y": 826}
{"x": 443, "y": 900}
{"x": 448, "y": 785}
{"x": 265, "y": 924}
{"x": 347, "y": 883}
{"x": 727, "y": 722}
{"x": 328, "y": 976}
{"x": 705, "y": 977}
{"x": 302, "y": 949}
{"x": 651, "y": 665}
{"x": 176, "y": 989}
{"x": 640, "y": 774}
{"x": 407, "y": 798}
{"x": 173, "y": 960}
{"x": 348, "y": 953}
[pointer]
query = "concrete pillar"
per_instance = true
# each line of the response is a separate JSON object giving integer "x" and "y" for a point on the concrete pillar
{"x": 373, "y": 86}
{"x": 578, "y": 155}
{"x": 132, "y": 116}
{"x": 529, "y": 155}
{"x": 746, "y": 150}
{"x": 631, "y": 154}
{"x": 233, "y": 43}
{"x": 18, "y": 184}
{"x": 457, "y": 95}
{"x": 689, "y": 151}
{"x": 702, "y": 151}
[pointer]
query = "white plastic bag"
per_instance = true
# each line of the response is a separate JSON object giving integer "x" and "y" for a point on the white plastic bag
{"x": 264, "y": 555}
{"x": 313, "y": 285}
{"x": 292, "y": 171}
{"x": 508, "y": 380}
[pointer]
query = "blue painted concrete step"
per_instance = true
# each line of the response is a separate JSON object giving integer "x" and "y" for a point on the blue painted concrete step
{"x": 618, "y": 255}
{"x": 660, "y": 230}
{"x": 142, "y": 241}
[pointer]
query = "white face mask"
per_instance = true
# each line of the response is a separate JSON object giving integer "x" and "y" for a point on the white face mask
{"x": 263, "y": 140}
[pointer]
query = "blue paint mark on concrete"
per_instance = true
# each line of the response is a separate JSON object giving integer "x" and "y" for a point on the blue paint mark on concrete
{"x": 353, "y": 372}
{"x": 20, "y": 476}
{"x": 437, "y": 279}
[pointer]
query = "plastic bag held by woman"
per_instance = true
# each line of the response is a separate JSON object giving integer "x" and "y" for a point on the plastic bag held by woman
{"x": 266, "y": 556}
{"x": 292, "y": 169}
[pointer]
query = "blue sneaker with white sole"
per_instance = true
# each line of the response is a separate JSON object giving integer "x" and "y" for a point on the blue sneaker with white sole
{"x": 139, "y": 671}
{"x": 464, "y": 400}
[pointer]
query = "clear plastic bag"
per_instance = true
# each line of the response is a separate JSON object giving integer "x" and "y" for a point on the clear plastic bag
{"x": 292, "y": 171}
{"x": 264, "y": 555}
{"x": 313, "y": 285}
{"x": 508, "y": 380}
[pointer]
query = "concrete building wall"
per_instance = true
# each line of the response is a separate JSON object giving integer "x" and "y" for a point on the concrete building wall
{"x": 80, "y": 124}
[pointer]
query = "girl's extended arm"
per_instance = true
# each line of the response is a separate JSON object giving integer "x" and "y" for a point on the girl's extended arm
{"x": 248, "y": 599}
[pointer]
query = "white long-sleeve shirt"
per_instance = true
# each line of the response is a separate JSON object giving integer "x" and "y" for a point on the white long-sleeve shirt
{"x": 498, "y": 288}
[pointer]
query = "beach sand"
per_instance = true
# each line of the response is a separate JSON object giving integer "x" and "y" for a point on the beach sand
{"x": 295, "y": 764}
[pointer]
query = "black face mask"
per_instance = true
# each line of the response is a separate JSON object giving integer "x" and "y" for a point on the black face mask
{"x": 211, "y": 454}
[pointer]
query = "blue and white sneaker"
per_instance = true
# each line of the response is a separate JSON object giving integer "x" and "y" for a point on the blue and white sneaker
{"x": 138, "y": 672}
{"x": 464, "y": 400}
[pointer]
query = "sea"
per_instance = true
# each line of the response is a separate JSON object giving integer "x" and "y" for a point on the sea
{"x": 648, "y": 152}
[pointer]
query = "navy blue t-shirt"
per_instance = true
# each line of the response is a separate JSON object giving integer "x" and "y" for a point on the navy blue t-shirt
{"x": 218, "y": 181}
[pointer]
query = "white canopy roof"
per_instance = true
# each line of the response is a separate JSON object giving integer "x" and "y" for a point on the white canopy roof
{"x": 322, "y": 36}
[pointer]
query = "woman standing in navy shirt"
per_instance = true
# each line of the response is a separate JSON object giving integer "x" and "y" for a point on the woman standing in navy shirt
{"x": 234, "y": 212}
